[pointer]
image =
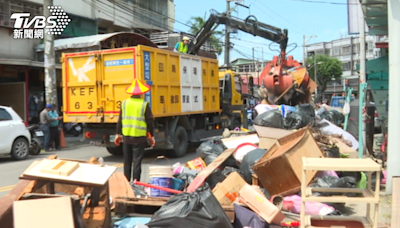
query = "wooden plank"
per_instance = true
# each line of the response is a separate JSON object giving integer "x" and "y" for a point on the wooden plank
{"x": 395, "y": 220}
{"x": 59, "y": 167}
{"x": 202, "y": 176}
{"x": 119, "y": 187}
{"x": 6, "y": 203}
{"x": 341, "y": 164}
{"x": 86, "y": 174}
{"x": 53, "y": 212}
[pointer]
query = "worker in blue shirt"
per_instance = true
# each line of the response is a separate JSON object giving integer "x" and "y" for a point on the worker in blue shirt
{"x": 182, "y": 46}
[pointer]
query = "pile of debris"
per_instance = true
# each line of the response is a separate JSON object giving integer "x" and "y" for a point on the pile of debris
{"x": 241, "y": 179}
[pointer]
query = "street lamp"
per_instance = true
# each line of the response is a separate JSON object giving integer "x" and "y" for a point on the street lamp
{"x": 315, "y": 77}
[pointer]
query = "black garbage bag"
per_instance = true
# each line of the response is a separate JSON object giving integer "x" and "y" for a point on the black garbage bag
{"x": 297, "y": 120}
{"x": 195, "y": 210}
{"x": 139, "y": 190}
{"x": 306, "y": 109}
{"x": 186, "y": 177}
{"x": 356, "y": 175}
{"x": 247, "y": 218}
{"x": 228, "y": 170}
{"x": 211, "y": 149}
{"x": 272, "y": 118}
{"x": 373, "y": 178}
{"x": 213, "y": 146}
{"x": 215, "y": 178}
{"x": 333, "y": 116}
{"x": 248, "y": 161}
{"x": 334, "y": 182}
{"x": 332, "y": 152}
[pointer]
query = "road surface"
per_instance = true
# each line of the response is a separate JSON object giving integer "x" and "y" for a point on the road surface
{"x": 10, "y": 170}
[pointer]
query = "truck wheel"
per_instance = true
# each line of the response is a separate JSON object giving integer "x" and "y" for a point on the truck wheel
{"x": 117, "y": 151}
{"x": 235, "y": 123}
{"x": 180, "y": 142}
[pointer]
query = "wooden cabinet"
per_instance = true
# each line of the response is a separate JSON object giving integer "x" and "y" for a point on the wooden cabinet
{"x": 368, "y": 196}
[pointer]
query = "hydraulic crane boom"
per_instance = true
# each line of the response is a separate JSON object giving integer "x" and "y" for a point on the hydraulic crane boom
{"x": 249, "y": 25}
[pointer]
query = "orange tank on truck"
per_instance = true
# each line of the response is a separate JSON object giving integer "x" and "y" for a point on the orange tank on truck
{"x": 184, "y": 96}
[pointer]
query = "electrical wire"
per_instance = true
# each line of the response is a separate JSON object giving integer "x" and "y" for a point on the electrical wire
{"x": 288, "y": 21}
{"x": 111, "y": 14}
{"x": 142, "y": 7}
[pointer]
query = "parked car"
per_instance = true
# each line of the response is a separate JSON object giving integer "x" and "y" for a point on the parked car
{"x": 15, "y": 138}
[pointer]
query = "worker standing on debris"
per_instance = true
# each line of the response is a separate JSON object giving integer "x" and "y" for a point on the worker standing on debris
{"x": 135, "y": 123}
{"x": 182, "y": 46}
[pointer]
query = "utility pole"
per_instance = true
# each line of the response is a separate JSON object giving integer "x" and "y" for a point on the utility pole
{"x": 50, "y": 80}
{"x": 227, "y": 38}
{"x": 362, "y": 88}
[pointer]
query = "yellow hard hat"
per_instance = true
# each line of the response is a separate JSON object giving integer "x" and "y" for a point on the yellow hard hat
{"x": 186, "y": 38}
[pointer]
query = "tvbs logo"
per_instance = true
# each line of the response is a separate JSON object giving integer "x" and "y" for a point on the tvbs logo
{"x": 26, "y": 28}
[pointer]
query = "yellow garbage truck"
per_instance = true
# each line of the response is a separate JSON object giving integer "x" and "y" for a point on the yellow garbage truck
{"x": 189, "y": 98}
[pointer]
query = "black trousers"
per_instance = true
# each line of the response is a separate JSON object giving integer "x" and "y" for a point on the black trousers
{"x": 54, "y": 138}
{"x": 133, "y": 154}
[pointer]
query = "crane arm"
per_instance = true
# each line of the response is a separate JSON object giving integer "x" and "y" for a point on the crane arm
{"x": 249, "y": 25}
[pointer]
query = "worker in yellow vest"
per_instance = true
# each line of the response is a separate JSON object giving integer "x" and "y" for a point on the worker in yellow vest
{"x": 135, "y": 124}
{"x": 182, "y": 46}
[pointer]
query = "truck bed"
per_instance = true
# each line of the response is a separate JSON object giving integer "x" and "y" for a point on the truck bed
{"x": 94, "y": 83}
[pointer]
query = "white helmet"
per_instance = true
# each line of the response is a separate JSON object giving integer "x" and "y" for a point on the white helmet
{"x": 186, "y": 38}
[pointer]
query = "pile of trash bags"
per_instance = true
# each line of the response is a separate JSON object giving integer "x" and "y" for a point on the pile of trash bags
{"x": 291, "y": 118}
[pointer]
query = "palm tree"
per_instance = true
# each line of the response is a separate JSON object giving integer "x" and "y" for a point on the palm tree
{"x": 197, "y": 23}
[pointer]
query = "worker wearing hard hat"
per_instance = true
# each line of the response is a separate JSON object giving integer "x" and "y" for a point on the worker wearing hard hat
{"x": 135, "y": 123}
{"x": 182, "y": 46}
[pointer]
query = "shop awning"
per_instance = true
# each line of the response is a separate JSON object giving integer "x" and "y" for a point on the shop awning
{"x": 97, "y": 40}
{"x": 376, "y": 16}
{"x": 24, "y": 62}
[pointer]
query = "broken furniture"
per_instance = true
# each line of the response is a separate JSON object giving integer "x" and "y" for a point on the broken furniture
{"x": 279, "y": 170}
{"x": 46, "y": 211}
{"x": 89, "y": 182}
{"x": 341, "y": 164}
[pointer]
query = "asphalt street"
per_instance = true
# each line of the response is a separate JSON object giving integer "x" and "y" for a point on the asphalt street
{"x": 10, "y": 170}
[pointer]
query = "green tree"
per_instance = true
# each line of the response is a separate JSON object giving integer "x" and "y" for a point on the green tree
{"x": 328, "y": 68}
{"x": 197, "y": 23}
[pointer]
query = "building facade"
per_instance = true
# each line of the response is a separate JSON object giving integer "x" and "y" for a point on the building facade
{"x": 22, "y": 72}
{"x": 347, "y": 50}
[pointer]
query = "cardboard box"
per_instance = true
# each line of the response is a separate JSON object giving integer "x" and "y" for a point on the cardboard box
{"x": 268, "y": 136}
{"x": 261, "y": 205}
{"x": 229, "y": 188}
{"x": 280, "y": 169}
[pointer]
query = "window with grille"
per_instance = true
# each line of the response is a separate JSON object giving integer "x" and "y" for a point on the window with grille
{"x": 346, "y": 66}
{"x": 336, "y": 51}
{"x": 8, "y": 7}
{"x": 346, "y": 50}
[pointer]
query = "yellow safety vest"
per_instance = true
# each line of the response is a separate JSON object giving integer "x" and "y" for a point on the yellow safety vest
{"x": 133, "y": 117}
{"x": 183, "y": 48}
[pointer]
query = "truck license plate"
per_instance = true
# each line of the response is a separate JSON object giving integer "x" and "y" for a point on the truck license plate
{"x": 112, "y": 138}
{"x": 78, "y": 128}
{"x": 39, "y": 133}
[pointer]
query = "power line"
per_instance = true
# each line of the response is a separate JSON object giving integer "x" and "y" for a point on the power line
{"x": 273, "y": 11}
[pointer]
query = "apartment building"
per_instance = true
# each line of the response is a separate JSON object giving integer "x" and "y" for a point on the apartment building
{"x": 22, "y": 65}
{"x": 347, "y": 50}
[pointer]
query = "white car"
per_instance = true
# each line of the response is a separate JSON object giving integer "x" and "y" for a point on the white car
{"x": 14, "y": 136}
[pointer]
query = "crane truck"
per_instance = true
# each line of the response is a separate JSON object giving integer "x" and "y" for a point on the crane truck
{"x": 190, "y": 98}
{"x": 283, "y": 80}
